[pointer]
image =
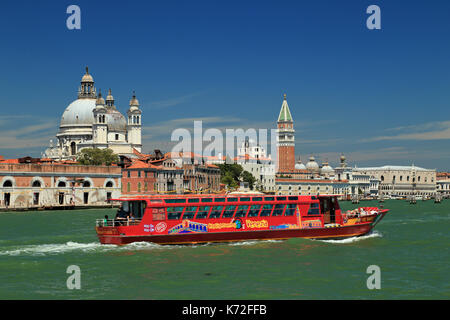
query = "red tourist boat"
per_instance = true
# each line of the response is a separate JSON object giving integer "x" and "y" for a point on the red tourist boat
{"x": 190, "y": 219}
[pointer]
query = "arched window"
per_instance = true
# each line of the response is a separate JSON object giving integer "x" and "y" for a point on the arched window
{"x": 86, "y": 184}
{"x": 36, "y": 184}
{"x": 73, "y": 148}
{"x": 382, "y": 178}
{"x": 7, "y": 184}
{"x": 109, "y": 184}
{"x": 61, "y": 184}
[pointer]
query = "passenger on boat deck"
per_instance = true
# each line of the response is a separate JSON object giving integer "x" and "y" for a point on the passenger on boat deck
{"x": 130, "y": 217}
{"x": 105, "y": 221}
{"x": 121, "y": 214}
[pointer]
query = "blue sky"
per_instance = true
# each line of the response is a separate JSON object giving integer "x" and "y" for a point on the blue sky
{"x": 379, "y": 96}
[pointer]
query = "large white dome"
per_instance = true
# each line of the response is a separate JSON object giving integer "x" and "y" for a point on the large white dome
{"x": 79, "y": 112}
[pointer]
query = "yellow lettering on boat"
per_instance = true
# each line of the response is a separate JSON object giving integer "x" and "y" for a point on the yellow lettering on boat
{"x": 212, "y": 226}
{"x": 256, "y": 224}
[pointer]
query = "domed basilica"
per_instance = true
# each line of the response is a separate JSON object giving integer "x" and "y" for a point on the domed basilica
{"x": 93, "y": 122}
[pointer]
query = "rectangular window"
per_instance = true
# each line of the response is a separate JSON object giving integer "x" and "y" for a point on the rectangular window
{"x": 257, "y": 199}
{"x": 202, "y": 212}
{"x": 269, "y": 198}
{"x": 219, "y": 199}
{"x": 292, "y": 198}
{"x": 245, "y": 199}
{"x": 281, "y": 198}
{"x": 207, "y": 200}
{"x": 189, "y": 213}
{"x": 278, "y": 211}
{"x": 61, "y": 198}
{"x": 229, "y": 211}
{"x": 174, "y": 213}
{"x": 314, "y": 208}
{"x": 290, "y": 210}
{"x": 216, "y": 212}
{"x": 128, "y": 174}
{"x": 254, "y": 210}
{"x": 117, "y": 136}
{"x": 241, "y": 211}
{"x": 139, "y": 174}
{"x": 266, "y": 210}
{"x": 232, "y": 199}
{"x": 175, "y": 200}
{"x": 193, "y": 200}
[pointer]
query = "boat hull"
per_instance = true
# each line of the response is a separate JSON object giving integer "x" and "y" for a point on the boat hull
{"x": 204, "y": 237}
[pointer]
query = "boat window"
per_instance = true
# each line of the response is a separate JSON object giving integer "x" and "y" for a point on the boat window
{"x": 158, "y": 214}
{"x": 232, "y": 199}
{"x": 281, "y": 198}
{"x": 126, "y": 206}
{"x": 266, "y": 210}
{"x": 136, "y": 208}
{"x": 174, "y": 213}
{"x": 229, "y": 211}
{"x": 193, "y": 200}
{"x": 189, "y": 212}
{"x": 207, "y": 200}
{"x": 254, "y": 210}
{"x": 216, "y": 212}
{"x": 202, "y": 212}
{"x": 175, "y": 200}
{"x": 269, "y": 198}
{"x": 241, "y": 211}
{"x": 156, "y": 201}
{"x": 278, "y": 211}
{"x": 292, "y": 198}
{"x": 219, "y": 199}
{"x": 290, "y": 210}
{"x": 314, "y": 208}
{"x": 257, "y": 199}
{"x": 245, "y": 199}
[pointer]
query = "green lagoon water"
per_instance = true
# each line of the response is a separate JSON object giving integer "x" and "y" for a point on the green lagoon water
{"x": 410, "y": 245}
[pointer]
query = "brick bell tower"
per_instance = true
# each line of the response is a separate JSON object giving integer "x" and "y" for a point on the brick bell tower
{"x": 285, "y": 139}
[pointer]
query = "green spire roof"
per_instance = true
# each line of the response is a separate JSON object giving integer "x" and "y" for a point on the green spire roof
{"x": 285, "y": 114}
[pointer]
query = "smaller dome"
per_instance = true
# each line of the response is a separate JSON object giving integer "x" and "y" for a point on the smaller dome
{"x": 134, "y": 102}
{"x": 312, "y": 164}
{"x": 109, "y": 97}
{"x": 299, "y": 165}
{"x": 100, "y": 101}
{"x": 326, "y": 168}
{"x": 87, "y": 77}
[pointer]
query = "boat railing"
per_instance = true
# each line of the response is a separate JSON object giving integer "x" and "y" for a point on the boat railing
{"x": 117, "y": 222}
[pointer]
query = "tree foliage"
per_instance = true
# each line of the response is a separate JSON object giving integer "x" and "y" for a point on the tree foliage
{"x": 97, "y": 157}
{"x": 233, "y": 174}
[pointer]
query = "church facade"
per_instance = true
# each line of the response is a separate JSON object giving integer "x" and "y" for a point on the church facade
{"x": 94, "y": 122}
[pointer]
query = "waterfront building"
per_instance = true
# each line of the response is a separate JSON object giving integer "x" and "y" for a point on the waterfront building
{"x": 28, "y": 183}
{"x": 403, "y": 180}
{"x": 253, "y": 158}
{"x": 290, "y": 186}
{"x": 93, "y": 122}
{"x": 169, "y": 173}
{"x": 443, "y": 184}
